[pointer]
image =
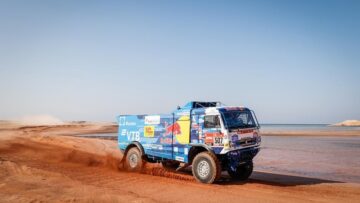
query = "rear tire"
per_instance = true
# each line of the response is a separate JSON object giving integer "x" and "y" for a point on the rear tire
{"x": 134, "y": 162}
{"x": 243, "y": 172}
{"x": 206, "y": 167}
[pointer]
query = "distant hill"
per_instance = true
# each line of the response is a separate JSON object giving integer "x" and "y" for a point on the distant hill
{"x": 348, "y": 123}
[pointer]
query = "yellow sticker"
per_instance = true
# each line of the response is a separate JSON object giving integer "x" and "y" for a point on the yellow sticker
{"x": 149, "y": 131}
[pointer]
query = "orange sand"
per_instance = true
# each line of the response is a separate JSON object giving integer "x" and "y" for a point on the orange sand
{"x": 38, "y": 165}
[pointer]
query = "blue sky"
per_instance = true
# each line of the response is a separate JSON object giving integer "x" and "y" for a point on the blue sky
{"x": 290, "y": 61}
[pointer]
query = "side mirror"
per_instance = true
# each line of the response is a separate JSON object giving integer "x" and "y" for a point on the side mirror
{"x": 178, "y": 107}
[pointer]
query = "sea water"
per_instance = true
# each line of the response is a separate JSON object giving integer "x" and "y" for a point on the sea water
{"x": 305, "y": 127}
{"x": 328, "y": 158}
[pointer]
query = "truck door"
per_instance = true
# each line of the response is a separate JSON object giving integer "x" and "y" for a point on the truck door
{"x": 195, "y": 130}
{"x": 211, "y": 131}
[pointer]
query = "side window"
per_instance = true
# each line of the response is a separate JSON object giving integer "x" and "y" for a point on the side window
{"x": 211, "y": 122}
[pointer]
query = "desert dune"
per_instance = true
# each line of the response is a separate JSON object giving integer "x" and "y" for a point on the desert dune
{"x": 348, "y": 123}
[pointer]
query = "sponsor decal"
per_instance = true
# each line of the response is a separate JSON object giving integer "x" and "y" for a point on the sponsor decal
{"x": 128, "y": 123}
{"x": 186, "y": 151}
{"x": 234, "y": 153}
{"x": 154, "y": 146}
{"x": 173, "y": 128}
{"x": 209, "y": 138}
{"x": 234, "y": 138}
{"x": 131, "y": 135}
{"x": 149, "y": 131}
{"x": 179, "y": 158}
{"x": 245, "y": 131}
{"x": 165, "y": 140}
{"x": 218, "y": 140}
{"x": 123, "y": 132}
{"x": 184, "y": 113}
{"x": 195, "y": 126}
{"x": 124, "y": 122}
{"x": 180, "y": 130}
{"x": 195, "y": 141}
{"x": 121, "y": 120}
{"x": 214, "y": 138}
{"x": 152, "y": 120}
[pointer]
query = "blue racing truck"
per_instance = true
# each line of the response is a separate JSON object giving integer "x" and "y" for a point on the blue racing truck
{"x": 208, "y": 136}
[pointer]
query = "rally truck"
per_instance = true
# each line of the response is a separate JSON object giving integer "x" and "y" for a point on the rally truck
{"x": 207, "y": 136}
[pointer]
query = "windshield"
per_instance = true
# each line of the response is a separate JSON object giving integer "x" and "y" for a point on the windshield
{"x": 239, "y": 119}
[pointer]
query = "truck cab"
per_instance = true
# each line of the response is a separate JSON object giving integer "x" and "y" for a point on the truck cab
{"x": 208, "y": 136}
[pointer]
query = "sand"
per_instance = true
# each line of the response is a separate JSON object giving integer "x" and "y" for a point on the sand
{"x": 37, "y": 164}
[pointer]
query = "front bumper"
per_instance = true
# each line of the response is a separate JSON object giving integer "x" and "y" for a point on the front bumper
{"x": 235, "y": 158}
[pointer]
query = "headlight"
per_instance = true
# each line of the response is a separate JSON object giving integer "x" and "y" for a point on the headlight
{"x": 257, "y": 137}
{"x": 226, "y": 144}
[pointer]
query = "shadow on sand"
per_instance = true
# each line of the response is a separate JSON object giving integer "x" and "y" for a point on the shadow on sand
{"x": 275, "y": 180}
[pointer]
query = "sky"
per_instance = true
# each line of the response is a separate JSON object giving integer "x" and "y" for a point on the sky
{"x": 289, "y": 61}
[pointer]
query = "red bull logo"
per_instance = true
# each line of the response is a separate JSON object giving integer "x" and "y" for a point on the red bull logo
{"x": 173, "y": 128}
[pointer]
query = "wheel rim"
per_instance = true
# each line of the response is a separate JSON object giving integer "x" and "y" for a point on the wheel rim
{"x": 203, "y": 169}
{"x": 133, "y": 160}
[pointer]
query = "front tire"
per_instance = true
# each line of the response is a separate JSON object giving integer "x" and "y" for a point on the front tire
{"x": 134, "y": 162}
{"x": 243, "y": 172}
{"x": 206, "y": 167}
